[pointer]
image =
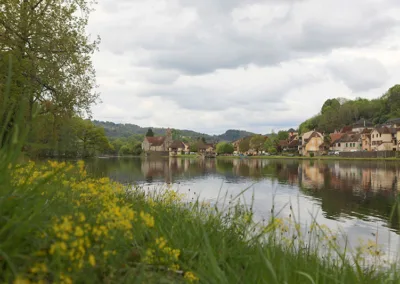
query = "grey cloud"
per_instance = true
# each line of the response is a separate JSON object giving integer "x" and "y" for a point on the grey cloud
{"x": 360, "y": 74}
{"x": 212, "y": 42}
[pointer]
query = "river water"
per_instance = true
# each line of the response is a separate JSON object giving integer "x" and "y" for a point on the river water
{"x": 354, "y": 197}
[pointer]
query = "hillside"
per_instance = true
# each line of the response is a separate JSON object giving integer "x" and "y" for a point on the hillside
{"x": 125, "y": 130}
{"x": 339, "y": 112}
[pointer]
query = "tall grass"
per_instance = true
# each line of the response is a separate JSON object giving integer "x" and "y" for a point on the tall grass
{"x": 59, "y": 225}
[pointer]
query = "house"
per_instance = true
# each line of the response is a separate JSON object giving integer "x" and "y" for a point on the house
{"x": 283, "y": 145}
{"x": 310, "y": 142}
{"x": 384, "y": 139}
{"x": 293, "y": 145}
{"x": 362, "y": 124}
{"x": 349, "y": 142}
{"x": 157, "y": 144}
{"x": 366, "y": 139}
{"x": 334, "y": 137}
{"x": 393, "y": 123}
{"x": 398, "y": 139}
{"x": 206, "y": 149}
{"x": 346, "y": 129}
{"x": 178, "y": 148}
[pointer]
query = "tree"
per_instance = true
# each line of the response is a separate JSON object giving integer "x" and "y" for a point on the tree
{"x": 244, "y": 145}
{"x": 92, "y": 138}
{"x": 50, "y": 53}
{"x": 257, "y": 142}
{"x": 270, "y": 145}
{"x": 283, "y": 135}
{"x": 225, "y": 148}
{"x": 150, "y": 133}
{"x": 176, "y": 134}
{"x": 330, "y": 104}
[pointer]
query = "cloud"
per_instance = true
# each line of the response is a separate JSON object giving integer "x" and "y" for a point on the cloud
{"x": 359, "y": 74}
{"x": 250, "y": 64}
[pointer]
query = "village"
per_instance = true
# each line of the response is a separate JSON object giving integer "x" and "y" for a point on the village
{"x": 353, "y": 140}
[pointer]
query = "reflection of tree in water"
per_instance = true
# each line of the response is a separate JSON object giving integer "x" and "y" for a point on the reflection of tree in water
{"x": 357, "y": 189}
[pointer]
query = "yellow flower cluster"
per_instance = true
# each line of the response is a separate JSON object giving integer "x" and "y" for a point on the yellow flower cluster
{"x": 85, "y": 239}
{"x": 161, "y": 254}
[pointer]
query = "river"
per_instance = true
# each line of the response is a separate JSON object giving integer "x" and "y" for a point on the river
{"x": 354, "y": 197}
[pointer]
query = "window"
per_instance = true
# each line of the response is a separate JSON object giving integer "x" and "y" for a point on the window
{"x": 346, "y": 144}
{"x": 338, "y": 144}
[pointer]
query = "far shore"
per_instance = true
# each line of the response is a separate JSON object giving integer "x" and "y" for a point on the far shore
{"x": 277, "y": 157}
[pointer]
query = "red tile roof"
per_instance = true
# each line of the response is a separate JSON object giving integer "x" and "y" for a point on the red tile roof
{"x": 155, "y": 141}
{"x": 335, "y": 136}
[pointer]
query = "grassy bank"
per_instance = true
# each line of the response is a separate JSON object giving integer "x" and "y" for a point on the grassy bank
{"x": 308, "y": 158}
{"x": 60, "y": 226}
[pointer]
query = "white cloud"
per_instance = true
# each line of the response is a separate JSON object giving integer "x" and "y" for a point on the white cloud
{"x": 253, "y": 64}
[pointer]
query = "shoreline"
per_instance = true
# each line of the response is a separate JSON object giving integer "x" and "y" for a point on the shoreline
{"x": 308, "y": 158}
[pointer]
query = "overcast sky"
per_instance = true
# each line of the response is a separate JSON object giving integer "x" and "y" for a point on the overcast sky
{"x": 213, "y": 65}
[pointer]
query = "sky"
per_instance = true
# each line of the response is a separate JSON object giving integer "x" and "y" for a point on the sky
{"x": 213, "y": 65}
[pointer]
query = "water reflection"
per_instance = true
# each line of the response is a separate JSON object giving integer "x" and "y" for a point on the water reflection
{"x": 343, "y": 189}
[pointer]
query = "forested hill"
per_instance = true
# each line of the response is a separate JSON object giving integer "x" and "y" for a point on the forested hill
{"x": 121, "y": 130}
{"x": 336, "y": 113}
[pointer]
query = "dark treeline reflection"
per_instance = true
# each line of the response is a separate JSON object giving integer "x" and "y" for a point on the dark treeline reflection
{"x": 362, "y": 189}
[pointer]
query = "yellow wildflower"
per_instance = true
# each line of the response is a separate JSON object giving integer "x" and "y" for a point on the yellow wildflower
{"x": 190, "y": 277}
{"x": 147, "y": 218}
{"x": 20, "y": 280}
{"x": 92, "y": 260}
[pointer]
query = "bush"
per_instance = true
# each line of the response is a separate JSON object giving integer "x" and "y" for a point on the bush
{"x": 225, "y": 148}
{"x": 311, "y": 155}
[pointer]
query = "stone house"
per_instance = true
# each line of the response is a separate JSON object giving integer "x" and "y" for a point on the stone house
{"x": 366, "y": 139}
{"x": 350, "y": 142}
{"x": 384, "y": 139}
{"x": 334, "y": 138}
{"x": 178, "y": 148}
{"x": 157, "y": 144}
{"x": 310, "y": 142}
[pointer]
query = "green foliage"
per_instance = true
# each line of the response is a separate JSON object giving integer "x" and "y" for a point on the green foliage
{"x": 271, "y": 145}
{"x": 337, "y": 113}
{"x": 257, "y": 142}
{"x": 225, "y": 148}
{"x": 244, "y": 145}
{"x": 51, "y": 55}
{"x": 283, "y": 135}
{"x": 150, "y": 133}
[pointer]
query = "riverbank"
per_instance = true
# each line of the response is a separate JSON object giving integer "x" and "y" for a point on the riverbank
{"x": 59, "y": 225}
{"x": 308, "y": 158}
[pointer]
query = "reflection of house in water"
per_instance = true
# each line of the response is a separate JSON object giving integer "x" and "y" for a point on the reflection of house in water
{"x": 312, "y": 176}
{"x": 156, "y": 169}
{"x": 384, "y": 179}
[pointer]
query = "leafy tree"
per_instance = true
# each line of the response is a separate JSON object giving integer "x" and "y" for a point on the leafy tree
{"x": 283, "y": 135}
{"x": 329, "y": 105}
{"x": 244, "y": 145}
{"x": 176, "y": 134}
{"x": 150, "y": 133}
{"x": 92, "y": 138}
{"x": 50, "y": 53}
{"x": 271, "y": 145}
{"x": 257, "y": 142}
{"x": 225, "y": 148}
